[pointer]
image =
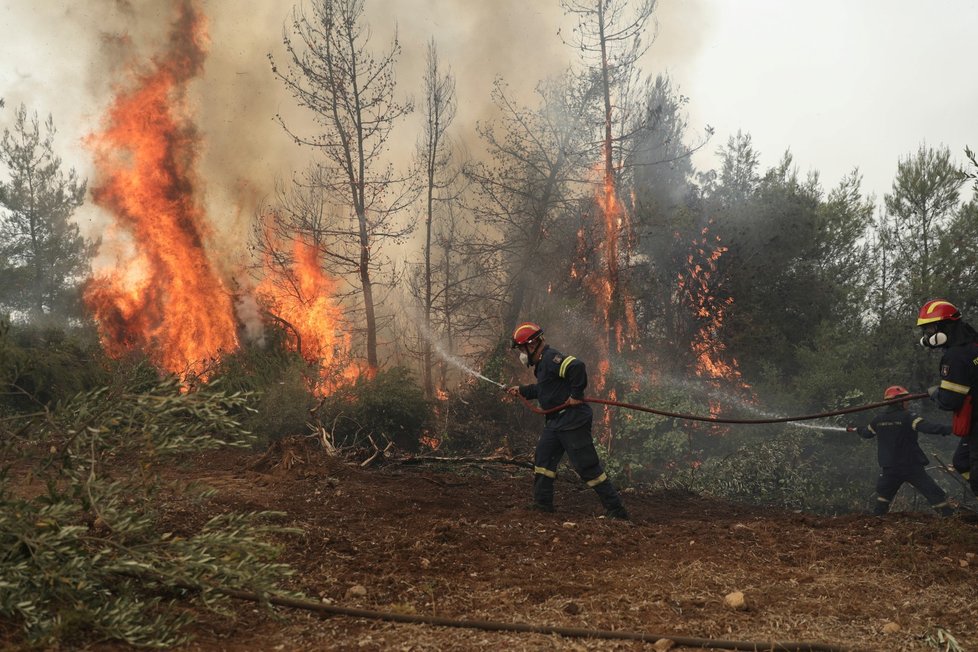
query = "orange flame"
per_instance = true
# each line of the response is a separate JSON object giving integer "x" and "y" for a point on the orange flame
{"x": 695, "y": 283}
{"x": 615, "y": 321}
{"x": 615, "y": 308}
{"x": 303, "y": 298}
{"x": 167, "y": 299}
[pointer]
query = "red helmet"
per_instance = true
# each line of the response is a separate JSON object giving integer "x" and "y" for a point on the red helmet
{"x": 526, "y": 333}
{"x": 937, "y": 310}
{"x": 895, "y": 391}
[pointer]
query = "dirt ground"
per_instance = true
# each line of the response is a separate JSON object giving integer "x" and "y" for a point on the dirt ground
{"x": 456, "y": 541}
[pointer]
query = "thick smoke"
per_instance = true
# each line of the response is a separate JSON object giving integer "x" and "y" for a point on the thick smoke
{"x": 89, "y": 49}
{"x": 85, "y": 48}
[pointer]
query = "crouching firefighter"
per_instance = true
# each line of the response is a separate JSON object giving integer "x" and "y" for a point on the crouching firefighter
{"x": 899, "y": 454}
{"x": 561, "y": 380}
{"x": 942, "y": 328}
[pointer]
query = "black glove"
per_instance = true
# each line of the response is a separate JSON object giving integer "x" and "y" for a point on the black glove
{"x": 932, "y": 391}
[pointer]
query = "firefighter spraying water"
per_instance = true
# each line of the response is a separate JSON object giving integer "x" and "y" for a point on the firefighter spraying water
{"x": 560, "y": 383}
{"x": 899, "y": 454}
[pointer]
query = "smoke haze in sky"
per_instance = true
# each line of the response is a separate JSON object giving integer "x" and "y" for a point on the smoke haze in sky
{"x": 841, "y": 84}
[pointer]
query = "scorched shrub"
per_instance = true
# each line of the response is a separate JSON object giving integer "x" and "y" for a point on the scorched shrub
{"x": 388, "y": 407}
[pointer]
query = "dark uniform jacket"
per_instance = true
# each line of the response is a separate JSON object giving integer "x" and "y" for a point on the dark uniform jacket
{"x": 959, "y": 377}
{"x": 560, "y": 377}
{"x": 896, "y": 430}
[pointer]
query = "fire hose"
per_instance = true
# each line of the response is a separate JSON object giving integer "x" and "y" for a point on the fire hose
{"x": 492, "y": 626}
{"x": 713, "y": 419}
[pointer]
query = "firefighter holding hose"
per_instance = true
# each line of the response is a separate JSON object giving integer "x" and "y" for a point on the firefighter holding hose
{"x": 899, "y": 454}
{"x": 942, "y": 328}
{"x": 560, "y": 383}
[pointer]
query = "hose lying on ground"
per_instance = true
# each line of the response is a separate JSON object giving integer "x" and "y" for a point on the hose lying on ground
{"x": 712, "y": 419}
{"x": 681, "y": 641}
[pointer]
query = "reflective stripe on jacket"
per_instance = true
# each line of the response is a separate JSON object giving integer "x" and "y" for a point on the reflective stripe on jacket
{"x": 896, "y": 432}
{"x": 560, "y": 377}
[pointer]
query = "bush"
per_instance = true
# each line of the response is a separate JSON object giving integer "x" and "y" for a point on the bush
{"x": 390, "y": 407}
{"x": 478, "y": 419}
{"x": 279, "y": 381}
{"x": 43, "y": 366}
{"x": 788, "y": 465}
{"x": 785, "y": 466}
{"x": 647, "y": 445}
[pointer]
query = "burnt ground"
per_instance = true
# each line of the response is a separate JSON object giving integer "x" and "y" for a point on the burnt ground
{"x": 456, "y": 541}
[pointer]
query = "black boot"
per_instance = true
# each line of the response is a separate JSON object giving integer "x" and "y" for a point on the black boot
{"x": 618, "y": 513}
{"x": 881, "y": 507}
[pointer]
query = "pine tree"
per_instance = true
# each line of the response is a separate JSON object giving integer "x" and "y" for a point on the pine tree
{"x": 43, "y": 257}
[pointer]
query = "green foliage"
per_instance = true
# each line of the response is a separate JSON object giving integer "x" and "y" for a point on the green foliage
{"x": 280, "y": 382}
{"x": 786, "y": 470}
{"x": 43, "y": 252}
{"x": 972, "y": 173}
{"x": 959, "y": 259}
{"x": 88, "y": 559}
{"x": 925, "y": 194}
{"x": 787, "y": 465}
{"x": 647, "y": 445}
{"x": 787, "y": 248}
{"x": 838, "y": 373}
{"x": 41, "y": 366}
{"x": 390, "y": 407}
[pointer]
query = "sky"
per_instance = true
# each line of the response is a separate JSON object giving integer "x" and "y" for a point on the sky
{"x": 841, "y": 83}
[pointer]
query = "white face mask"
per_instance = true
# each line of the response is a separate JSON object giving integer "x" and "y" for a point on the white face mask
{"x": 933, "y": 341}
{"x": 524, "y": 358}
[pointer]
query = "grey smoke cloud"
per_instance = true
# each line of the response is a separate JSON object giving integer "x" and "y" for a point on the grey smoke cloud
{"x": 69, "y": 61}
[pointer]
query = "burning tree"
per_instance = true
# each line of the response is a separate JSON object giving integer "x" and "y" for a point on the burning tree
{"x": 609, "y": 36}
{"x": 795, "y": 266}
{"x": 164, "y": 293}
{"x": 295, "y": 292}
{"x": 351, "y": 94}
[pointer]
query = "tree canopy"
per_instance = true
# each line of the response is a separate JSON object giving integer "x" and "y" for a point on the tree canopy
{"x": 43, "y": 257}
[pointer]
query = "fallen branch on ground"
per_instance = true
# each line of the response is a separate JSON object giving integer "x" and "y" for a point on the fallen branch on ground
{"x": 574, "y": 632}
